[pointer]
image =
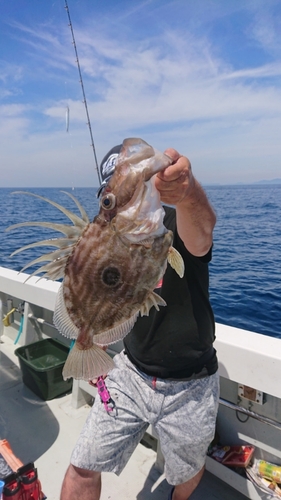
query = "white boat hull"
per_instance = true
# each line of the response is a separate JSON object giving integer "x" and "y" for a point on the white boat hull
{"x": 245, "y": 359}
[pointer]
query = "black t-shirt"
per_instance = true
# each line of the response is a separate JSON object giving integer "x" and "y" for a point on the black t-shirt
{"x": 177, "y": 340}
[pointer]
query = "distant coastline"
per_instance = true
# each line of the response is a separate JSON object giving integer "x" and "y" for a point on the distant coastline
{"x": 265, "y": 182}
{"x": 272, "y": 181}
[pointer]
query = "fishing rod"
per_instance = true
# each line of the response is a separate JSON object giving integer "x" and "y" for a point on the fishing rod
{"x": 83, "y": 91}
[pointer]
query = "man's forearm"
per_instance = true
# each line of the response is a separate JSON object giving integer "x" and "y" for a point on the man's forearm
{"x": 196, "y": 220}
{"x": 195, "y": 217}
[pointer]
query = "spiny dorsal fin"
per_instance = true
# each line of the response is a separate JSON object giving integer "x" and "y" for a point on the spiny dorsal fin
{"x": 176, "y": 261}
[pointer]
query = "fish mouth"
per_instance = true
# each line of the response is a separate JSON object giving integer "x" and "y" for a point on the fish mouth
{"x": 156, "y": 164}
{"x": 136, "y": 212}
{"x": 136, "y": 162}
{"x": 138, "y": 156}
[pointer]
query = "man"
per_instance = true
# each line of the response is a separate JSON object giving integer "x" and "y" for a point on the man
{"x": 167, "y": 374}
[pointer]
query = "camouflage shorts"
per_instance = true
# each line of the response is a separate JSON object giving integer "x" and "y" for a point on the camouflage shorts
{"x": 183, "y": 414}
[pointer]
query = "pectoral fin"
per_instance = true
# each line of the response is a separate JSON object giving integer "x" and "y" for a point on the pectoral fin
{"x": 176, "y": 261}
{"x": 61, "y": 318}
{"x": 153, "y": 299}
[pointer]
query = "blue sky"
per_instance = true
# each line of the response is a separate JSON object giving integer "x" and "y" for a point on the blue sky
{"x": 201, "y": 76}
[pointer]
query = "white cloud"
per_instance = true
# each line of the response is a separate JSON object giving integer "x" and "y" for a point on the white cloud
{"x": 266, "y": 71}
{"x": 172, "y": 89}
{"x": 265, "y": 28}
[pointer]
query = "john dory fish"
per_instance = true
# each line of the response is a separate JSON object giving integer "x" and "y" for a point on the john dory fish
{"x": 111, "y": 266}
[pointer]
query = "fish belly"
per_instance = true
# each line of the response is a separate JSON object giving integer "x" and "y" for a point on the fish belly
{"x": 107, "y": 277}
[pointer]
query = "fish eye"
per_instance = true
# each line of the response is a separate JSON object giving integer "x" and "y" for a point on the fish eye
{"x": 108, "y": 201}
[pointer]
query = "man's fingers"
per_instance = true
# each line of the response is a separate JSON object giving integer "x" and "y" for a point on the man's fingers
{"x": 173, "y": 154}
{"x": 178, "y": 171}
{"x": 94, "y": 381}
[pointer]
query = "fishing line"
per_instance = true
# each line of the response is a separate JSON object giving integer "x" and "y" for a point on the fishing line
{"x": 83, "y": 91}
{"x": 67, "y": 123}
{"x": 67, "y": 119}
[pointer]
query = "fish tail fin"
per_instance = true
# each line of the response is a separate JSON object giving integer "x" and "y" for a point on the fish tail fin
{"x": 87, "y": 364}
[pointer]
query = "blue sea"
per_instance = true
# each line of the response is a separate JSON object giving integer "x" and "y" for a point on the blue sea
{"x": 245, "y": 273}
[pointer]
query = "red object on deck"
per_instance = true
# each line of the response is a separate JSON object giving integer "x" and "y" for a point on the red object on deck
{"x": 23, "y": 482}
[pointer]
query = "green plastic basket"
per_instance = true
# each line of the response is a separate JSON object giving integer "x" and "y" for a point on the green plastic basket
{"x": 41, "y": 365}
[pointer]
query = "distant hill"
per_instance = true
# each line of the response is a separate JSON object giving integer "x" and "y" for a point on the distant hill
{"x": 272, "y": 181}
{"x": 265, "y": 182}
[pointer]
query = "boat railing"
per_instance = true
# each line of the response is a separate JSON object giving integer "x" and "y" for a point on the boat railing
{"x": 249, "y": 369}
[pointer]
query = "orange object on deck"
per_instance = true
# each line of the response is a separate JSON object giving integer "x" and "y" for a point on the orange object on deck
{"x": 8, "y": 455}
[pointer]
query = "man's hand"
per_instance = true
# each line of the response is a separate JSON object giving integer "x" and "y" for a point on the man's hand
{"x": 94, "y": 381}
{"x": 176, "y": 181}
{"x": 195, "y": 216}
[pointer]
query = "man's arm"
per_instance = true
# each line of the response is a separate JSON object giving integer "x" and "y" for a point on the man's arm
{"x": 195, "y": 216}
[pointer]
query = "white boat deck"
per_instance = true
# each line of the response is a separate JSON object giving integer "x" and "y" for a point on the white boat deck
{"x": 45, "y": 433}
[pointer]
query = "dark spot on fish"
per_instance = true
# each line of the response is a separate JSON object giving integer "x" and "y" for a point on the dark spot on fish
{"x": 111, "y": 276}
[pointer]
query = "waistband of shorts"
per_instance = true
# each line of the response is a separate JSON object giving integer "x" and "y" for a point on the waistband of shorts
{"x": 207, "y": 365}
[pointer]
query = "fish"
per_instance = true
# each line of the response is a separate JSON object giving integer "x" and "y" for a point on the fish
{"x": 112, "y": 265}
